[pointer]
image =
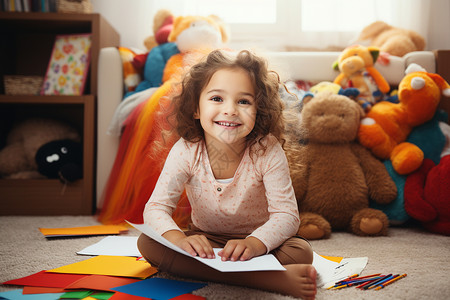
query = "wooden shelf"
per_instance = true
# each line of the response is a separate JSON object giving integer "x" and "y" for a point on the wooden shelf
{"x": 26, "y": 42}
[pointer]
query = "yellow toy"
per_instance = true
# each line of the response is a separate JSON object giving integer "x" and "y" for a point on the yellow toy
{"x": 356, "y": 64}
{"x": 387, "y": 125}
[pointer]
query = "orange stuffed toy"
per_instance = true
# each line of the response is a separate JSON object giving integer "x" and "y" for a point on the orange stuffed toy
{"x": 387, "y": 125}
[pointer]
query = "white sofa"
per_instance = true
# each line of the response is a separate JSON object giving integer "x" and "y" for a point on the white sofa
{"x": 312, "y": 66}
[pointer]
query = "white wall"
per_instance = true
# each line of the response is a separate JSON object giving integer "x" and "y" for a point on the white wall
{"x": 133, "y": 19}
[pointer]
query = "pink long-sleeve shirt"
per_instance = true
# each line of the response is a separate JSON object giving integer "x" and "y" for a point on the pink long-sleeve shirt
{"x": 259, "y": 201}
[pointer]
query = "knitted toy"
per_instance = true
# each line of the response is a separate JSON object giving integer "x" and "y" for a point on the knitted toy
{"x": 356, "y": 64}
{"x": 393, "y": 40}
{"x": 334, "y": 176}
{"x": 30, "y": 151}
{"x": 427, "y": 195}
{"x": 387, "y": 125}
{"x": 147, "y": 139}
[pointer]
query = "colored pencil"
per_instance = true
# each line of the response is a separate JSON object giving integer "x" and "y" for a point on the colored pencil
{"x": 376, "y": 281}
{"x": 390, "y": 281}
{"x": 353, "y": 282}
{"x": 386, "y": 279}
{"x": 371, "y": 280}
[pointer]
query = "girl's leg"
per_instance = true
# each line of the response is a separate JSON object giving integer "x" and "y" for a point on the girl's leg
{"x": 299, "y": 280}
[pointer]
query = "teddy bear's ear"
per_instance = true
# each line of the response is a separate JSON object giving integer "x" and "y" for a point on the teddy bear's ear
{"x": 375, "y": 52}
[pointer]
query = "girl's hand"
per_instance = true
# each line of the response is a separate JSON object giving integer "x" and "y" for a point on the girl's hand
{"x": 194, "y": 244}
{"x": 242, "y": 249}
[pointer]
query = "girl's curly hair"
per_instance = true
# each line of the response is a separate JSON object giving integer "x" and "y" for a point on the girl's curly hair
{"x": 269, "y": 115}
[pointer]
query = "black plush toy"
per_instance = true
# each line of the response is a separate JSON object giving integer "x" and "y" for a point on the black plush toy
{"x": 61, "y": 159}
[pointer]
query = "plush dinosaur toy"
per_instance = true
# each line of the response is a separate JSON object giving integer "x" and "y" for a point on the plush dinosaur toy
{"x": 387, "y": 125}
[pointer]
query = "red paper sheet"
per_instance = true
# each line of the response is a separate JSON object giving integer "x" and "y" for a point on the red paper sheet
{"x": 45, "y": 279}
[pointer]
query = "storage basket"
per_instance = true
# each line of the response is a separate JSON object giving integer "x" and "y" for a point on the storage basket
{"x": 74, "y": 6}
{"x": 22, "y": 85}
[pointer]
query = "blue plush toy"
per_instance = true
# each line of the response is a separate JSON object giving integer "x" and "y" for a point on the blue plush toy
{"x": 154, "y": 66}
{"x": 430, "y": 139}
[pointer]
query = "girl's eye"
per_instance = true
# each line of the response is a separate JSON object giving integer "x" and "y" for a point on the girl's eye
{"x": 244, "y": 101}
{"x": 216, "y": 99}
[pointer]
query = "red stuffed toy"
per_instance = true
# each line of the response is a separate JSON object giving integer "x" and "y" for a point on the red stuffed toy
{"x": 427, "y": 195}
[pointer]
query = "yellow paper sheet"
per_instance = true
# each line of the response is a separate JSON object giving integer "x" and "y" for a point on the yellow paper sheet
{"x": 86, "y": 230}
{"x": 110, "y": 265}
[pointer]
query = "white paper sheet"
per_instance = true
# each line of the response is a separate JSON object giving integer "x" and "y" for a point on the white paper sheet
{"x": 330, "y": 272}
{"x": 266, "y": 262}
{"x": 113, "y": 245}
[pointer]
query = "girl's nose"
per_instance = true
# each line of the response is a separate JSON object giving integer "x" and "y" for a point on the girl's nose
{"x": 230, "y": 108}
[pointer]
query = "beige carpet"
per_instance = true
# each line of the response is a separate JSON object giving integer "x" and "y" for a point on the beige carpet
{"x": 422, "y": 255}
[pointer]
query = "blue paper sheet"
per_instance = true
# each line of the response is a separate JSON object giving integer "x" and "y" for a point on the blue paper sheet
{"x": 159, "y": 288}
{"x": 17, "y": 295}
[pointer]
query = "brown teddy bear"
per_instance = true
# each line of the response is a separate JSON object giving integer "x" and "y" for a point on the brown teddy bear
{"x": 393, "y": 40}
{"x": 332, "y": 174}
{"x": 18, "y": 157}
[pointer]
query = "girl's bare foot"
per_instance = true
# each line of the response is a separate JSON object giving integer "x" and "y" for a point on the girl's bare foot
{"x": 300, "y": 281}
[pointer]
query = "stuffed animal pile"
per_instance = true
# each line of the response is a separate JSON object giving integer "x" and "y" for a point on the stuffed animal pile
{"x": 333, "y": 175}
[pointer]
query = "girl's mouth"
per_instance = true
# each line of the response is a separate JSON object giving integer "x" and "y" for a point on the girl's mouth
{"x": 227, "y": 124}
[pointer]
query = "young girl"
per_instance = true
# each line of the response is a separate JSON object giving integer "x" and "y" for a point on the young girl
{"x": 230, "y": 161}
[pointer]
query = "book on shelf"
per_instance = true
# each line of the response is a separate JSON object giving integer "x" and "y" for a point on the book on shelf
{"x": 68, "y": 66}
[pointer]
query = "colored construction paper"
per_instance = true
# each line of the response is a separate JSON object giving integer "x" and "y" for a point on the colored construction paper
{"x": 76, "y": 295}
{"x": 114, "y": 245}
{"x": 160, "y": 288}
{"x": 260, "y": 263}
{"x": 102, "y": 295}
{"x": 109, "y": 265}
{"x": 101, "y": 282}
{"x": 17, "y": 295}
{"x": 83, "y": 231}
{"x": 41, "y": 290}
{"x": 44, "y": 279}
{"x": 122, "y": 296}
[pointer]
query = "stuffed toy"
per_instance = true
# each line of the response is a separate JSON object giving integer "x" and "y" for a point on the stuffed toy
{"x": 387, "y": 125}
{"x": 430, "y": 138}
{"x": 356, "y": 66}
{"x": 162, "y": 26}
{"x": 332, "y": 174}
{"x": 427, "y": 190}
{"x": 27, "y": 155}
{"x": 147, "y": 136}
{"x": 61, "y": 159}
{"x": 427, "y": 195}
{"x": 393, "y": 40}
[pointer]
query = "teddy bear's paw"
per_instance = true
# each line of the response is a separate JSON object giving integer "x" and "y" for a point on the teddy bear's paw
{"x": 406, "y": 158}
{"x": 369, "y": 222}
{"x": 371, "y": 226}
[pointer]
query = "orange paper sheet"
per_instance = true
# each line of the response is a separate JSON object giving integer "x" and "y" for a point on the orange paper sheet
{"x": 109, "y": 265}
{"x": 83, "y": 231}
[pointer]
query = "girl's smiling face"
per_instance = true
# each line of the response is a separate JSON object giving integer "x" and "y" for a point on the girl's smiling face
{"x": 227, "y": 108}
